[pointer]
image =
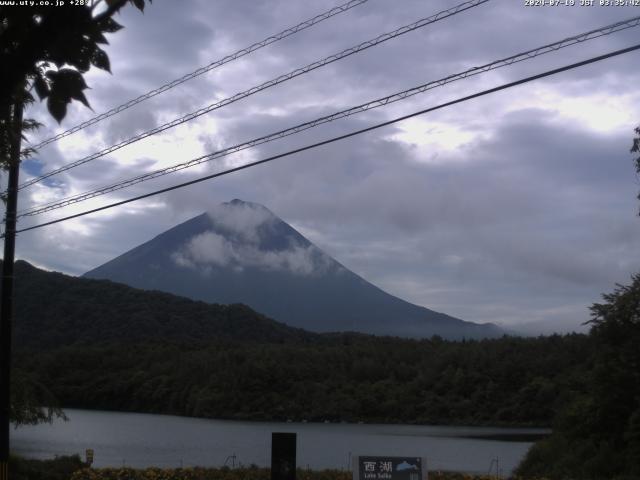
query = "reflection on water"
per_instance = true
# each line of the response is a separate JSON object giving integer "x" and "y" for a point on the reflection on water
{"x": 141, "y": 440}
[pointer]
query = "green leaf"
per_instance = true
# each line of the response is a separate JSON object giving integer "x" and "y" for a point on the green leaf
{"x": 66, "y": 84}
{"x": 27, "y": 152}
{"x": 109, "y": 25}
{"x": 29, "y": 124}
{"x": 139, "y": 4}
{"x": 101, "y": 60}
{"x": 69, "y": 80}
{"x": 79, "y": 56}
{"x": 41, "y": 86}
{"x": 57, "y": 108}
{"x": 81, "y": 98}
{"x": 51, "y": 74}
{"x": 27, "y": 98}
{"x": 98, "y": 37}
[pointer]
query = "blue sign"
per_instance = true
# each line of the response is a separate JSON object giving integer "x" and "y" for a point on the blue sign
{"x": 390, "y": 468}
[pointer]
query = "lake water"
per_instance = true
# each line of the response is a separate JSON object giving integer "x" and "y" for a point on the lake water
{"x": 141, "y": 440}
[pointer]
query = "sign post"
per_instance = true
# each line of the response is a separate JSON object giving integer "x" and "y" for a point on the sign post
{"x": 89, "y": 456}
{"x": 388, "y": 468}
{"x": 283, "y": 456}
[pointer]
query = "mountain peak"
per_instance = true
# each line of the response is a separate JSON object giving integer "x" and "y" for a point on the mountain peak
{"x": 248, "y": 236}
{"x": 237, "y": 201}
{"x": 238, "y": 216}
{"x": 240, "y": 252}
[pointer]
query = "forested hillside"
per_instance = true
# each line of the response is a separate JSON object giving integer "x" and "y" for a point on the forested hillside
{"x": 508, "y": 381}
{"x": 54, "y": 310}
{"x": 97, "y": 344}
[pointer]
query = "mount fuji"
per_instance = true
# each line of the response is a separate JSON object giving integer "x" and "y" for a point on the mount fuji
{"x": 240, "y": 252}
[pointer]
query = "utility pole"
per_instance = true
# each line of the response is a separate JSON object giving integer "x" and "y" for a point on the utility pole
{"x": 6, "y": 299}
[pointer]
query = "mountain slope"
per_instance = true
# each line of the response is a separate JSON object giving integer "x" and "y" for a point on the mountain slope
{"x": 240, "y": 252}
{"x": 55, "y": 310}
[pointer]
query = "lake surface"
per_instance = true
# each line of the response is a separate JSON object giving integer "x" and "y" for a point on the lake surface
{"x": 141, "y": 440}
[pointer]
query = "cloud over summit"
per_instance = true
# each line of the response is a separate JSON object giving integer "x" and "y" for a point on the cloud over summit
{"x": 244, "y": 236}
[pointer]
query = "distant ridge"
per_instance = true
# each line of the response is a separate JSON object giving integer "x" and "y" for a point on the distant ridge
{"x": 240, "y": 252}
{"x": 54, "y": 310}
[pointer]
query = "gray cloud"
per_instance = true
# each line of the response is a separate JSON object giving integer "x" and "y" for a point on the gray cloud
{"x": 245, "y": 227}
{"x": 243, "y": 220}
{"x": 211, "y": 249}
{"x": 524, "y": 211}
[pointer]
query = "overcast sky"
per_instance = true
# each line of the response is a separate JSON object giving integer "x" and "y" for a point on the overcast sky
{"x": 513, "y": 208}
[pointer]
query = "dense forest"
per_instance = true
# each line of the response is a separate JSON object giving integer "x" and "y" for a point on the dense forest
{"x": 99, "y": 345}
{"x": 509, "y": 381}
{"x": 597, "y": 433}
{"x": 54, "y": 310}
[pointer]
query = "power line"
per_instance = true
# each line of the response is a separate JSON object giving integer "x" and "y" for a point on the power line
{"x": 529, "y": 54}
{"x": 342, "y": 137}
{"x": 218, "y": 63}
{"x": 271, "y": 83}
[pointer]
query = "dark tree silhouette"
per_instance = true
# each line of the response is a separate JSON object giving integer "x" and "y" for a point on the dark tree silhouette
{"x": 597, "y": 434}
{"x": 636, "y": 149}
{"x": 46, "y": 50}
{"x": 52, "y": 47}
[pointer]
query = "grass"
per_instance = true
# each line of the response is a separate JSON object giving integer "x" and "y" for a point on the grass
{"x": 60, "y": 468}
